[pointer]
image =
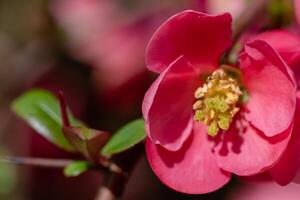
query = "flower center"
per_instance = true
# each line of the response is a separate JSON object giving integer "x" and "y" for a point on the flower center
{"x": 216, "y": 101}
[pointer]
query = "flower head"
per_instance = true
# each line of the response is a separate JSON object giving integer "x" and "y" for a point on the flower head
{"x": 206, "y": 121}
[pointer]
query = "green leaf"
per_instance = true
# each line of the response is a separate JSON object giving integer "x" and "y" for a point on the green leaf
{"x": 40, "y": 109}
{"x": 126, "y": 137}
{"x": 76, "y": 168}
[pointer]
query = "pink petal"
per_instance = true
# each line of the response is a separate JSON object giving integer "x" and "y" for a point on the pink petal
{"x": 201, "y": 38}
{"x": 264, "y": 191}
{"x": 289, "y": 50}
{"x": 167, "y": 105}
{"x": 244, "y": 150}
{"x": 297, "y": 10}
{"x": 192, "y": 169}
{"x": 271, "y": 87}
{"x": 286, "y": 169}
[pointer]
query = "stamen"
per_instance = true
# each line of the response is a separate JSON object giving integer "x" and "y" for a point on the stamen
{"x": 216, "y": 101}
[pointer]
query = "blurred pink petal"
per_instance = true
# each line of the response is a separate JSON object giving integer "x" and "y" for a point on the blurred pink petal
{"x": 84, "y": 20}
{"x": 265, "y": 191}
{"x": 106, "y": 36}
{"x": 119, "y": 56}
{"x": 234, "y": 7}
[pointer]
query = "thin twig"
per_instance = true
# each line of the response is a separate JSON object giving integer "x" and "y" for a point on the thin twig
{"x": 37, "y": 162}
{"x": 59, "y": 163}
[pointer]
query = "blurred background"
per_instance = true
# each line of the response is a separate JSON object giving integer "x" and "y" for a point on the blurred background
{"x": 92, "y": 50}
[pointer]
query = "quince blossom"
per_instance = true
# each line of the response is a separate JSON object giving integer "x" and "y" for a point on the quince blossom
{"x": 206, "y": 121}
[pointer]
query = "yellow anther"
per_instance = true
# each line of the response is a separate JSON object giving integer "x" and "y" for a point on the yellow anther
{"x": 224, "y": 121}
{"x": 212, "y": 114}
{"x": 200, "y": 92}
{"x": 199, "y": 115}
{"x": 223, "y": 106}
{"x": 231, "y": 97}
{"x": 234, "y": 111}
{"x": 198, "y": 105}
{"x": 213, "y": 128}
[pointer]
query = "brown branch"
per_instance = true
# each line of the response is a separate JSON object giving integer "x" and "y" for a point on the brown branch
{"x": 37, "y": 162}
{"x": 59, "y": 163}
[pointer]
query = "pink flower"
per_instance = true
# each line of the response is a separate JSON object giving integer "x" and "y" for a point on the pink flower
{"x": 196, "y": 142}
{"x": 286, "y": 168}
